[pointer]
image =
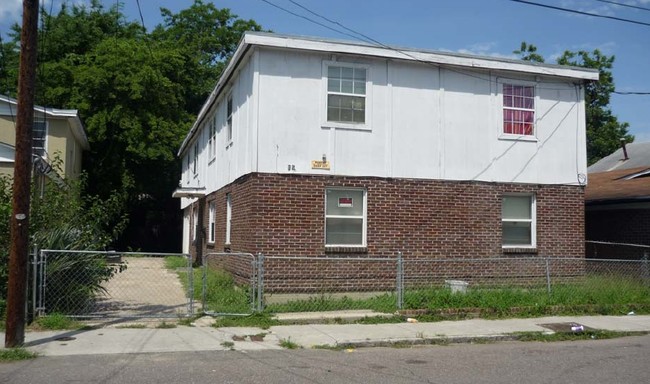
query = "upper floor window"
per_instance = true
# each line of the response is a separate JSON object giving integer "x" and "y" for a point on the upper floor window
{"x": 229, "y": 119}
{"x": 212, "y": 137}
{"x": 39, "y": 136}
{"x": 346, "y": 94}
{"x": 195, "y": 160}
{"x": 518, "y": 222}
{"x": 518, "y": 110}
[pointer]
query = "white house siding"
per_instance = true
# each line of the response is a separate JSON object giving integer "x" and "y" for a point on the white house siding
{"x": 426, "y": 121}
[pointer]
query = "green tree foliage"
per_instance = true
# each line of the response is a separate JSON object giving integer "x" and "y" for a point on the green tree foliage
{"x": 528, "y": 52}
{"x": 137, "y": 94}
{"x": 604, "y": 131}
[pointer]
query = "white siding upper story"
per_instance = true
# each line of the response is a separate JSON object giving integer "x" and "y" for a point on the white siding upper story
{"x": 427, "y": 115}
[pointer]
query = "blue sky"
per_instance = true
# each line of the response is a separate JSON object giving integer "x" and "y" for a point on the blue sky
{"x": 486, "y": 27}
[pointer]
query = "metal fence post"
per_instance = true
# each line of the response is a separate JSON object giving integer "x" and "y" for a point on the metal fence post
{"x": 34, "y": 280}
{"x": 548, "y": 276}
{"x": 260, "y": 282}
{"x": 190, "y": 283}
{"x": 400, "y": 281}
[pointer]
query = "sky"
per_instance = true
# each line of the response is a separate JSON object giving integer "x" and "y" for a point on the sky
{"x": 484, "y": 27}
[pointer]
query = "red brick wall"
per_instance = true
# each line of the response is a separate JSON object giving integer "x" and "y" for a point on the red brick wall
{"x": 283, "y": 215}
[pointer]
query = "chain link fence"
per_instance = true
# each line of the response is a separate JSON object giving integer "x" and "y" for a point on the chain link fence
{"x": 229, "y": 284}
{"x": 386, "y": 284}
{"x": 96, "y": 284}
{"x": 616, "y": 251}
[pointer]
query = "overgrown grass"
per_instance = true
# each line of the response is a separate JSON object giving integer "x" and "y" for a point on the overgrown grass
{"x": 222, "y": 294}
{"x": 288, "y": 344}
{"x": 55, "y": 322}
{"x": 570, "y": 336}
{"x": 15, "y": 354}
{"x": 603, "y": 295}
{"x": 260, "y": 320}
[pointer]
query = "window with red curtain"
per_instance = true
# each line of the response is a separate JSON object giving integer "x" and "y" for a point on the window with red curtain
{"x": 518, "y": 109}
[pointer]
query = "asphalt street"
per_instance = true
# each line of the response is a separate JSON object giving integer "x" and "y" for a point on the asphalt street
{"x": 623, "y": 360}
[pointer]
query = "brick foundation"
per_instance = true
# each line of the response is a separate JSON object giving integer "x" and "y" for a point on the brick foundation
{"x": 283, "y": 215}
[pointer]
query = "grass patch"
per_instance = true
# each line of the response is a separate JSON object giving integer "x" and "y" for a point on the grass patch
{"x": 131, "y": 326}
{"x": 288, "y": 344}
{"x": 228, "y": 344}
{"x": 259, "y": 320}
{"x": 570, "y": 336}
{"x": 55, "y": 322}
{"x": 165, "y": 325}
{"x": 16, "y": 354}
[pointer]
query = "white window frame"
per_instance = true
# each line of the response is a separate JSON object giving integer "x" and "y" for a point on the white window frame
{"x": 212, "y": 208}
{"x": 212, "y": 138}
{"x": 228, "y": 217}
{"x": 230, "y": 112}
{"x": 45, "y": 139}
{"x": 367, "y": 124}
{"x": 364, "y": 217}
{"x": 532, "y": 221}
{"x": 195, "y": 159}
{"x": 501, "y": 107}
{"x": 195, "y": 222}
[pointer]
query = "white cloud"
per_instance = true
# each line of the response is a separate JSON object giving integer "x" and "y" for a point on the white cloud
{"x": 488, "y": 48}
{"x": 607, "y": 48}
{"x": 10, "y": 11}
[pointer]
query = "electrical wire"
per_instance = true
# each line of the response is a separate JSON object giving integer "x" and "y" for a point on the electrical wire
{"x": 581, "y": 12}
{"x": 624, "y": 5}
{"x": 373, "y": 41}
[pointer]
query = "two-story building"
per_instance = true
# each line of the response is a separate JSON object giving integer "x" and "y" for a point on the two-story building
{"x": 58, "y": 141}
{"x": 317, "y": 147}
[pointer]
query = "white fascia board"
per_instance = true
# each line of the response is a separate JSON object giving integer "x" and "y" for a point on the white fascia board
{"x": 409, "y": 54}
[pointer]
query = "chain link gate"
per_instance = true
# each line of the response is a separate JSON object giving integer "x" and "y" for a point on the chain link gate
{"x": 107, "y": 284}
{"x": 231, "y": 283}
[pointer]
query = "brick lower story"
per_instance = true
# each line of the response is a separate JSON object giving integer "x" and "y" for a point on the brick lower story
{"x": 284, "y": 215}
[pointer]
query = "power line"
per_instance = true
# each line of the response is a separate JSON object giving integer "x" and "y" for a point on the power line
{"x": 581, "y": 12}
{"x": 624, "y": 5}
{"x": 309, "y": 19}
{"x": 631, "y": 93}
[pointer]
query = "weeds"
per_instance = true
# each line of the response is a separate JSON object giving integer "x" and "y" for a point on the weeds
{"x": 54, "y": 322}
{"x": 288, "y": 344}
{"x": 15, "y": 354}
{"x": 570, "y": 336}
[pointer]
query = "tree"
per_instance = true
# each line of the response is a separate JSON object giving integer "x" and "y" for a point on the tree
{"x": 604, "y": 131}
{"x": 528, "y": 52}
{"x": 137, "y": 93}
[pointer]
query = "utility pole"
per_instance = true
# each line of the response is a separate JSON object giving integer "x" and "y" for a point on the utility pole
{"x": 18, "y": 254}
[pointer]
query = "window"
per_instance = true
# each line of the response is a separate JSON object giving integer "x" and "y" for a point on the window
{"x": 195, "y": 222}
{"x": 346, "y": 94}
{"x": 518, "y": 221}
{"x": 228, "y": 217}
{"x": 212, "y": 138}
{"x": 518, "y": 110}
{"x": 229, "y": 119}
{"x": 195, "y": 161}
{"x": 211, "y": 211}
{"x": 39, "y": 135}
{"x": 345, "y": 217}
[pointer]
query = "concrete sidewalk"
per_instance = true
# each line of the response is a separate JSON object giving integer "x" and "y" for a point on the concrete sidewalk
{"x": 207, "y": 338}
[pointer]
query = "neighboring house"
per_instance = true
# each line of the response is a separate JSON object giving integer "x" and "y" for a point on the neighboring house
{"x": 617, "y": 200}
{"x": 319, "y": 147}
{"x": 58, "y": 140}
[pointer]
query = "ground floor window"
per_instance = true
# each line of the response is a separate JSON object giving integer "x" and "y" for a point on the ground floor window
{"x": 228, "y": 217}
{"x": 345, "y": 217}
{"x": 518, "y": 221}
{"x": 211, "y": 216}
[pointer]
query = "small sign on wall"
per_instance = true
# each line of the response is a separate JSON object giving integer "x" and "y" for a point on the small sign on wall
{"x": 346, "y": 202}
{"x": 320, "y": 164}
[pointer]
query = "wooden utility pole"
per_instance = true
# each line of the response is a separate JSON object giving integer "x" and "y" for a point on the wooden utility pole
{"x": 18, "y": 255}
